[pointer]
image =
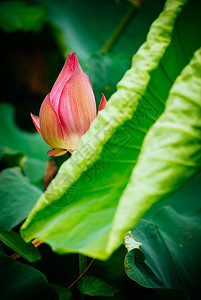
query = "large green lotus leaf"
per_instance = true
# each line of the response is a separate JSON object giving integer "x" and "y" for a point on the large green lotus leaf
{"x": 16, "y": 15}
{"x": 85, "y": 26}
{"x": 20, "y": 281}
{"x": 170, "y": 253}
{"x": 17, "y": 197}
{"x": 171, "y": 151}
{"x": 80, "y": 212}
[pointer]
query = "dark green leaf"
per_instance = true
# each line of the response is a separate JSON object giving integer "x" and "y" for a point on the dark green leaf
{"x": 14, "y": 241}
{"x": 170, "y": 252}
{"x": 63, "y": 293}
{"x": 104, "y": 71}
{"x": 20, "y": 148}
{"x": 19, "y": 281}
{"x": 93, "y": 286}
{"x": 135, "y": 33}
{"x": 16, "y": 15}
{"x": 17, "y": 198}
{"x": 14, "y": 139}
{"x": 100, "y": 19}
{"x": 34, "y": 168}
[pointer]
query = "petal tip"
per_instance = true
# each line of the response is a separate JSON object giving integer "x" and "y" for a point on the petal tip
{"x": 73, "y": 61}
{"x": 35, "y": 120}
{"x": 56, "y": 152}
{"x": 102, "y": 103}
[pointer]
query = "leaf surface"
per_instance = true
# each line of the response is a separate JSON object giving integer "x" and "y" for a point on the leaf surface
{"x": 14, "y": 241}
{"x": 104, "y": 71}
{"x": 17, "y": 198}
{"x": 63, "y": 293}
{"x": 100, "y": 20}
{"x": 93, "y": 286}
{"x": 21, "y": 148}
{"x": 171, "y": 152}
{"x": 15, "y": 139}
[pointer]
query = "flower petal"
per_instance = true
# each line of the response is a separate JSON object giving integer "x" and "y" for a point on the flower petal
{"x": 56, "y": 152}
{"x": 102, "y": 103}
{"x": 35, "y": 120}
{"x": 50, "y": 126}
{"x": 66, "y": 72}
{"x": 77, "y": 107}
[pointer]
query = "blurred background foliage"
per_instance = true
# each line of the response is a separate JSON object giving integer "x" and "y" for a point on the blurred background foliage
{"x": 36, "y": 37}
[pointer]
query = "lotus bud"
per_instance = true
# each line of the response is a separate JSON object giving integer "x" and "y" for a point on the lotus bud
{"x": 68, "y": 110}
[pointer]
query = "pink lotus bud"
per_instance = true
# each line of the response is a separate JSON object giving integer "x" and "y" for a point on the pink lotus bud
{"x": 68, "y": 110}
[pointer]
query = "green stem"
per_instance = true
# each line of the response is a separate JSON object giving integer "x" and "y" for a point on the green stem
{"x": 110, "y": 42}
{"x": 82, "y": 268}
{"x": 82, "y": 263}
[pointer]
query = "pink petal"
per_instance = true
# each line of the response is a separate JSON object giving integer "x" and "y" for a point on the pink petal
{"x": 102, "y": 103}
{"x": 50, "y": 126}
{"x": 66, "y": 72}
{"x": 77, "y": 107}
{"x": 73, "y": 61}
{"x": 35, "y": 120}
{"x": 56, "y": 152}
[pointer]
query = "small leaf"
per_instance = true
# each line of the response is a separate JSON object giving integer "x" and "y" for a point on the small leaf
{"x": 93, "y": 286}
{"x": 17, "y": 197}
{"x": 16, "y": 15}
{"x": 14, "y": 241}
{"x": 63, "y": 293}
